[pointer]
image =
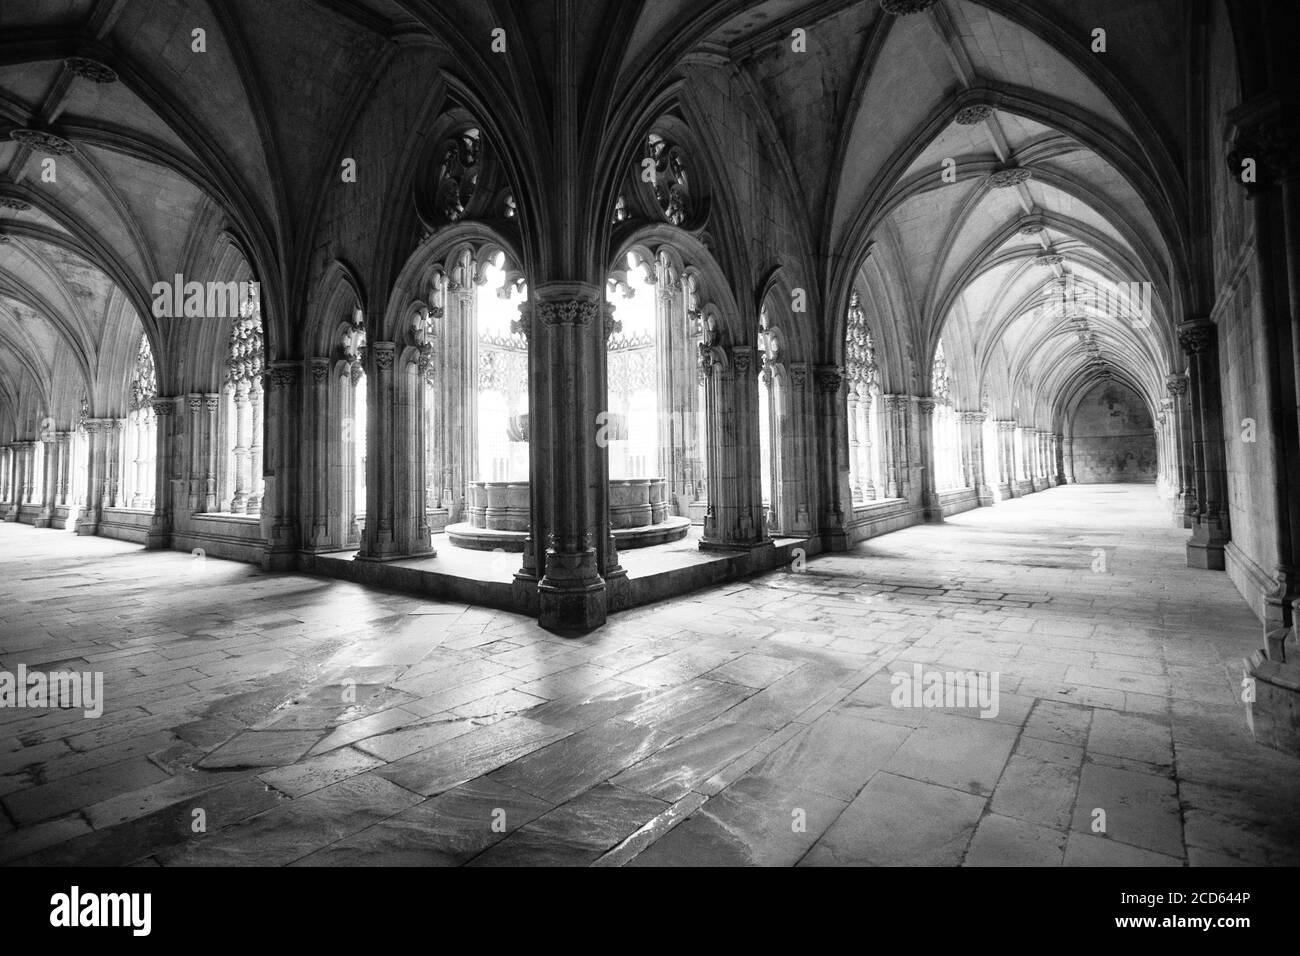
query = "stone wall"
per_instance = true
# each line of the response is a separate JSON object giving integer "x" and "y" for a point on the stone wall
{"x": 1114, "y": 437}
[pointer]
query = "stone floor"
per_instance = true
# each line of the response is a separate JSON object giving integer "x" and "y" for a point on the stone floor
{"x": 283, "y": 719}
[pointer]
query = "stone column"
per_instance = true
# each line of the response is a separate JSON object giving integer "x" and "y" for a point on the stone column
{"x": 1024, "y": 470}
{"x": 1266, "y": 131}
{"x": 972, "y": 434}
{"x": 239, "y": 502}
{"x": 833, "y": 495}
{"x": 736, "y": 520}
{"x": 568, "y": 482}
{"x": 378, "y": 542}
{"x": 64, "y": 442}
{"x": 1210, "y": 533}
{"x": 931, "y": 509}
{"x": 210, "y": 448}
{"x": 1185, "y": 502}
{"x": 1058, "y": 457}
{"x": 45, "y": 493}
{"x": 165, "y": 457}
{"x": 804, "y": 418}
{"x": 316, "y": 443}
{"x": 255, "y": 464}
{"x": 96, "y": 465}
{"x": 1067, "y": 458}
{"x": 278, "y": 503}
{"x": 895, "y": 409}
{"x": 1005, "y": 482}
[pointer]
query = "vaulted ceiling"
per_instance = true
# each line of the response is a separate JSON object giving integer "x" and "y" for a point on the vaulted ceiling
{"x": 157, "y": 150}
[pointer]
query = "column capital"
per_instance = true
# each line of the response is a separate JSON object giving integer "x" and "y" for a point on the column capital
{"x": 829, "y": 379}
{"x": 742, "y": 356}
{"x": 799, "y": 375}
{"x": 282, "y": 374}
{"x": 1264, "y": 130}
{"x": 320, "y": 369}
{"x": 1176, "y": 384}
{"x": 567, "y": 303}
{"x": 384, "y": 353}
{"x": 927, "y": 406}
{"x": 1196, "y": 336}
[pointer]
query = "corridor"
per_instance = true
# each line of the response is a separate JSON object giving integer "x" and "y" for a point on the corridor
{"x": 280, "y": 719}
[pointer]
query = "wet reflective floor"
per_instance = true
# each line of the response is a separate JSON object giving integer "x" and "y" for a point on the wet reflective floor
{"x": 1039, "y": 683}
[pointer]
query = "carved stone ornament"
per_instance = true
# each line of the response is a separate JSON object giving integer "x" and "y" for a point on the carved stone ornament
{"x": 970, "y": 115}
{"x": 740, "y": 358}
{"x": 798, "y": 376}
{"x": 383, "y": 357}
{"x": 1274, "y": 144}
{"x": 1177, "y": 384}
{"x": 1030, "y": 229}
{"x": 567, "y": 312}
{"x": 671, "y": 179}
{"x": 1196, "y": 338}
{"x": 163, "y": 406}
{"x": 320, "y": 369}
{"x": 282, "y": 376}
{"x": 1006, "y": 178}
{"x": 1048, "y": 259}
{"x": 18, "y": 205}
{"x": 42, "y": 142}
{"x": 458, "y": 174}
{"x": 828, "y": 381}
{"x": 91, "y": 70}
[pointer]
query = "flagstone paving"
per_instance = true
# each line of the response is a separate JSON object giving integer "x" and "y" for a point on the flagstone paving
{"x": 253, "y": 718}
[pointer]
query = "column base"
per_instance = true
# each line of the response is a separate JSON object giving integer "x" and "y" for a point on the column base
{"x": 1206, "y": 549}
{"x": 1274, "y": 715}
{"x": 733, "y": 546}
{"x": 1004, "y": 491}
{"x": 571, "y": 596}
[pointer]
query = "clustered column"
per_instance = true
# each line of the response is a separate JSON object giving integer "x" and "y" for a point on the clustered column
{"x": 1210, "y": 530}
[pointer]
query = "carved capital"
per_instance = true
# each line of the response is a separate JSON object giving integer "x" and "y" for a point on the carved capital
{"x": 1177, "y": 385}
{"x": 567, "y": 312}
{"x": 1264, "y": 143}
{"x": 164, "y": 406}
{"x": 320, "y": 370}
{"x": 798, "y": 375}
{"x": 282, "y": 375}
{"x": 742, "y": 357}
{"x": 829, "y": 380}
{"x": 384, "y": 353}
{"x": 1196, "y": 337}
{"x": 927, "y": 406}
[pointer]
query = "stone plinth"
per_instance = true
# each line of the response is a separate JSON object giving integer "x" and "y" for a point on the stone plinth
{"x": 639, "y": 515}
{"x": 499, "y": 505}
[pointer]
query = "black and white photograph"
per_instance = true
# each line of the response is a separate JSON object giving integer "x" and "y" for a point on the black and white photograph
{"x": 650, "y": 433}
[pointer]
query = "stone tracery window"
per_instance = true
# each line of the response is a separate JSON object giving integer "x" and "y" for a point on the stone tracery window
{"x": 863, "y": 404}
{"x": 654, "y": 425}
{"x": 945, "y": 433}
{"x": 353, "y": 346}
{"x": 140, "y": 441}
{"x": 769, "y": 420}
{"x": 242, "y": 399}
